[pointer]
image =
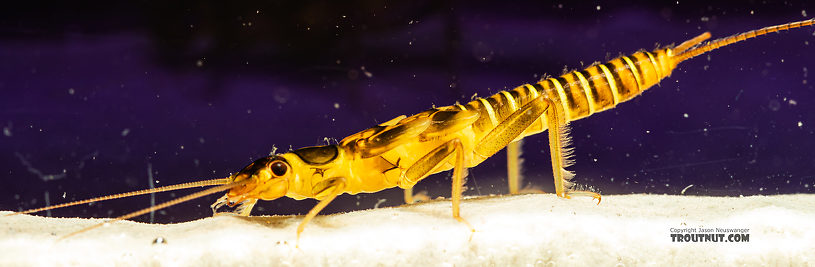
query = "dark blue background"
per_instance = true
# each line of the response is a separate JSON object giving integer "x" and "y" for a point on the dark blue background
{"x": 96, "y": 94}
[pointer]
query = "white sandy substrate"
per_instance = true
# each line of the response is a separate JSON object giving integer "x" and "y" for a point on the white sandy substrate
{"x": 532, "y": 230}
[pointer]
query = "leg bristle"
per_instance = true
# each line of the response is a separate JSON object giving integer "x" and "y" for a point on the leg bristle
{"x": 566, "y": 150}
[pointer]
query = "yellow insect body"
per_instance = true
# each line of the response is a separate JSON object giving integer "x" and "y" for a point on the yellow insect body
{"x": 579, "y": 94}
{"x": 405, "y": 150}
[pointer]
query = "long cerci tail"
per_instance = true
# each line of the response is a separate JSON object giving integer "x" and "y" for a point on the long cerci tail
{"x": 687, "y": 50}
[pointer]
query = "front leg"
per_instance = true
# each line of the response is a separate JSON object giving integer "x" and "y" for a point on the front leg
{"x": 326, "y": 191}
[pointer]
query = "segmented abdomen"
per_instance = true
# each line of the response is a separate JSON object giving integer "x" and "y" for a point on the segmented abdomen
{"x": 578, "y": 94}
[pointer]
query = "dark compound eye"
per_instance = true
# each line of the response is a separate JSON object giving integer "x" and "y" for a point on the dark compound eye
{"x": 279, "y": 168}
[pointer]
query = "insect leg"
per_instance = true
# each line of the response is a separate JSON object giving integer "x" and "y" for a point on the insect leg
{"x": 326, "y": 192}
{"x": 518, "y": 121}
{"x": 425, "y": 165}
{"x": 561, "y": 154}
{"x": 511, "y": 127}
{"x": 514, "y": 166}
{"x": 506, "y": 131}
{"x": 458, "y": 183}
{"x": 410, "y": 198}
{"x": 443, "y": 122}
{"x": 558, "y": 150}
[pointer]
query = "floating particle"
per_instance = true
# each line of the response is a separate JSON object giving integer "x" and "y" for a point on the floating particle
{"x": 774, "y": 105}
{"x": 366, "y": 72}
{"x": 483, "y": 52}
{"x": 281, "y": 95}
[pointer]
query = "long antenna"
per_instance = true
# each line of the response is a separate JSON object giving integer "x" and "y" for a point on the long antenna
{"x": 683, "y": 55}
{"x": 189, "y": 197}
{"x": 219, "y": 181}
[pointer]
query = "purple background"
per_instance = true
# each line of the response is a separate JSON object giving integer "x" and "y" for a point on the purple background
{"x": 94, "y": 95}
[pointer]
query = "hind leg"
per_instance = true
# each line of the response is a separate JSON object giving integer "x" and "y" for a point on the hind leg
{"x": 561, "y": 154}
{"x": 514, "y": 166}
